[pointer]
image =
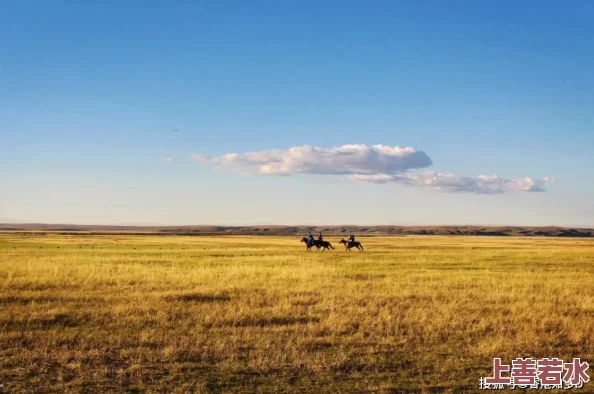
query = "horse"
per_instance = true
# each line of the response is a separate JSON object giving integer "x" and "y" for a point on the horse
{"x": 306, "y": 242}
{"x": 325, "y": 245}
{"x": 348, "y": 245}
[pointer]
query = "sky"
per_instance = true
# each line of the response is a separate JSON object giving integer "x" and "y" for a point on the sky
{"x": 381, "y": 112}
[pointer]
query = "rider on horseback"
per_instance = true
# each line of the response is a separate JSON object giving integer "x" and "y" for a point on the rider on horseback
{"x": 311, "y": 239}
{"x": 351, "y": 239}
{"x": 320, "y": 238}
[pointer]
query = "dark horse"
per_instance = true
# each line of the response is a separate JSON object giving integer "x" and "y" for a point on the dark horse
{"x": 318, "y": 244}
{"x": 348, "y": 245}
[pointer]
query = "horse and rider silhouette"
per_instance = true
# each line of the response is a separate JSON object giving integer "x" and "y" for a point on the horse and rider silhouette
{"x": 311, "y": 242}
{"x": 351, "y": 243}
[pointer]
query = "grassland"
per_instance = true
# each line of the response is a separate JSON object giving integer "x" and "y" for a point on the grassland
{"x": 259, "y": 314}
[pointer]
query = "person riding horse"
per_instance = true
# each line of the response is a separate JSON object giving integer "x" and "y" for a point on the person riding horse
{"x": 319, "y": 243}
{"x": 351, "y": 239}
{"x": 311, "y": 239}
{"x": 351, "y": 243}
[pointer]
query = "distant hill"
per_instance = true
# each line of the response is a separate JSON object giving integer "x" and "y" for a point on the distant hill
{"x": 520, "y": 231}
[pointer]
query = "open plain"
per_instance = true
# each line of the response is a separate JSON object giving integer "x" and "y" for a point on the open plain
{"x": 148, "y": 313}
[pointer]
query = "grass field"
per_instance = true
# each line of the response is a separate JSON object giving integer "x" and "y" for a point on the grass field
{"x": 259, "y": 314}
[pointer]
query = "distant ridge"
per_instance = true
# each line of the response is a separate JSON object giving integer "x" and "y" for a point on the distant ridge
{"x": 516, "y": 231}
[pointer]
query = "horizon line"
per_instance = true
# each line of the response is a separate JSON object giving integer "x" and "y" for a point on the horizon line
{"x": 23, "y": 223}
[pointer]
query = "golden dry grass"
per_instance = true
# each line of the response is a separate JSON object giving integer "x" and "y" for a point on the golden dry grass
{"x": 259, "y": 314}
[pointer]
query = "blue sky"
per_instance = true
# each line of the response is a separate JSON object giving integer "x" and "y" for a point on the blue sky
{"x": 90, "y": 95}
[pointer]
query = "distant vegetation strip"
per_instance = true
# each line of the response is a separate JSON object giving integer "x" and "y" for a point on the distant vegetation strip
{"x": 520, "y": 231}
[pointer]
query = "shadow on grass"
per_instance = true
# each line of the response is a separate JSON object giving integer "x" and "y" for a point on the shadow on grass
{"x": 60, "y": 320}
{"x": 199, "y": 297}
{"x": 269, "y": 322}
{"x": 25, "y": 300}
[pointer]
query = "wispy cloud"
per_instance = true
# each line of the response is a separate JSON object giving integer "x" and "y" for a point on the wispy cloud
{"x": 378, "y": 164}
{"x": 482, "y": 184}
{"x": 168, "y": 159}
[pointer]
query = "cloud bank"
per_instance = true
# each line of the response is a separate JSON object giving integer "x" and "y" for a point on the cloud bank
{"x": 378, "y": 164}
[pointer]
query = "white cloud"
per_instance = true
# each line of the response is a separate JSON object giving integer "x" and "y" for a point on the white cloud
{"x": 482, "y": 184}
{"x": 168, "y": 159}
{"x": 342, "y": 160}
{"x": 371, "y": 164}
